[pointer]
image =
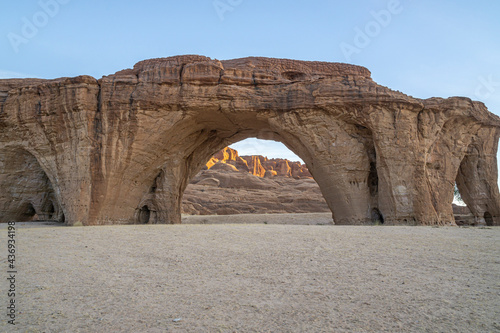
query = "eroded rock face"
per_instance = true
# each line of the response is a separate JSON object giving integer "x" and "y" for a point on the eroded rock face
{"x": 230, "y": 191}
{"x": 27, "y": 193}
{"x": 258, "y": 165}
{"x": 122, "y": 149}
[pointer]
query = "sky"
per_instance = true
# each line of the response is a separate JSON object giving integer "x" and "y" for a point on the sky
{"x": 420, "y": 47}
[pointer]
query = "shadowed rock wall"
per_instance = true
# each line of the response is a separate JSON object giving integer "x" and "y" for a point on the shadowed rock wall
{"x": 122, "y": 149}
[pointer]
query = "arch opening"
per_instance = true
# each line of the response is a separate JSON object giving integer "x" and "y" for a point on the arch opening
{"x": 29, "y": 191}
{"x": 348, "y": 200}
{"x": 461, "y": 211}
{"x": 254, "y": 176}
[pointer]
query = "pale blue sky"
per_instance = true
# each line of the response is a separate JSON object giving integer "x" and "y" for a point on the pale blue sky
{"x": 423, "y": 48}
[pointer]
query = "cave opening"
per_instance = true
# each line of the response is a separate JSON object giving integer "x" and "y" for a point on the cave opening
{"x": 29, "y": 193}
{"x": 144, "y": 215}
{"x": 51, "y": 211}
{"x": 28, "y": 213}
{"x": 377, "y": 217}
{"x": 488, "y": 218}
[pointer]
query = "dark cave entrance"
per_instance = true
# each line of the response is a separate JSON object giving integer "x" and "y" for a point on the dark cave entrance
{"x": 144, "y": 215}
{"x": 28, "y": 191}
{"x": 51, "y": 211}
{"x": 28, "y": 213}
{"x": 377, "y": 217}
{"x": 488, "y": 218}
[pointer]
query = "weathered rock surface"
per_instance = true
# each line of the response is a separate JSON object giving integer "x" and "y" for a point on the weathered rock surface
{"x": 123, "y": 148}
{"x": 259, "y": 165}
{"x": 463, "y": 216}
{"x": 230, "y": 191}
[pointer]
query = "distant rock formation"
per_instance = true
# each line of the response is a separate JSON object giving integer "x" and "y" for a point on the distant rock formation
{"x": 223, "y": 190}
{"x": 259, "y": 165}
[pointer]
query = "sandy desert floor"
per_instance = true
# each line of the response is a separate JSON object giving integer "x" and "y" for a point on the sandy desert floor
{"x": 270, "y": 277}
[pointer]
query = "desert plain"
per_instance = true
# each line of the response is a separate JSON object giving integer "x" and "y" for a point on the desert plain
{"x": 254, "y": 273}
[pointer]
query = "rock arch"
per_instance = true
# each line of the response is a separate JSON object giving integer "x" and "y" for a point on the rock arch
{"x": 133, "y": 139}
{"x": 477, "y": 173}
{"x": 27, "y": 193}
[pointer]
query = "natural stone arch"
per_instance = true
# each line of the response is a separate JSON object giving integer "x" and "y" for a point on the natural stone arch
{"x": 347, "y": 192}
{"x": 105, "y": 143}
{"x": 476, "y": 176}
{"x": 27, "y": 191}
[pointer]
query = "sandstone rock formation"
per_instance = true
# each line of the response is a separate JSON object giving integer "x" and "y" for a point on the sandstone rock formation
{"x": 463, "y": 216}
{"x": 235, "y": 193}
{"x": 259, "y": 165}
{"x": 230, "y": 191}
{"x": 123, "y": 148}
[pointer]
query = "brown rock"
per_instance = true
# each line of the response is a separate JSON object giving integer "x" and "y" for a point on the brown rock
{"x": 229, "y": 156}
{"x": 243, "y": 193}
{"x": 270, "y": 174}
{"x": 224, "y": 167}
{"x": 122, "y": 149}
{"x": 209, "y": 182}
{"x": 258, "y": 165}
{"x": 255, "y": 165}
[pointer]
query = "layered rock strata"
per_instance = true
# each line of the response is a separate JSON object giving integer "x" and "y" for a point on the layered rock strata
{"x": 260, "y": 166}
{"x": 123, "y": 148}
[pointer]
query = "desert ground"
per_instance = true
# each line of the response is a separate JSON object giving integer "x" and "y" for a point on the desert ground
{"x": 266, "y": 273}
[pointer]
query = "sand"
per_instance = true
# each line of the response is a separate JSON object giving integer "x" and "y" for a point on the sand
{"x": 254, "y": 278}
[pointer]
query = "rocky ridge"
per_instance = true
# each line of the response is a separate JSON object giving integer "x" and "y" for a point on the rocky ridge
{"x": 259, "y": 165}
